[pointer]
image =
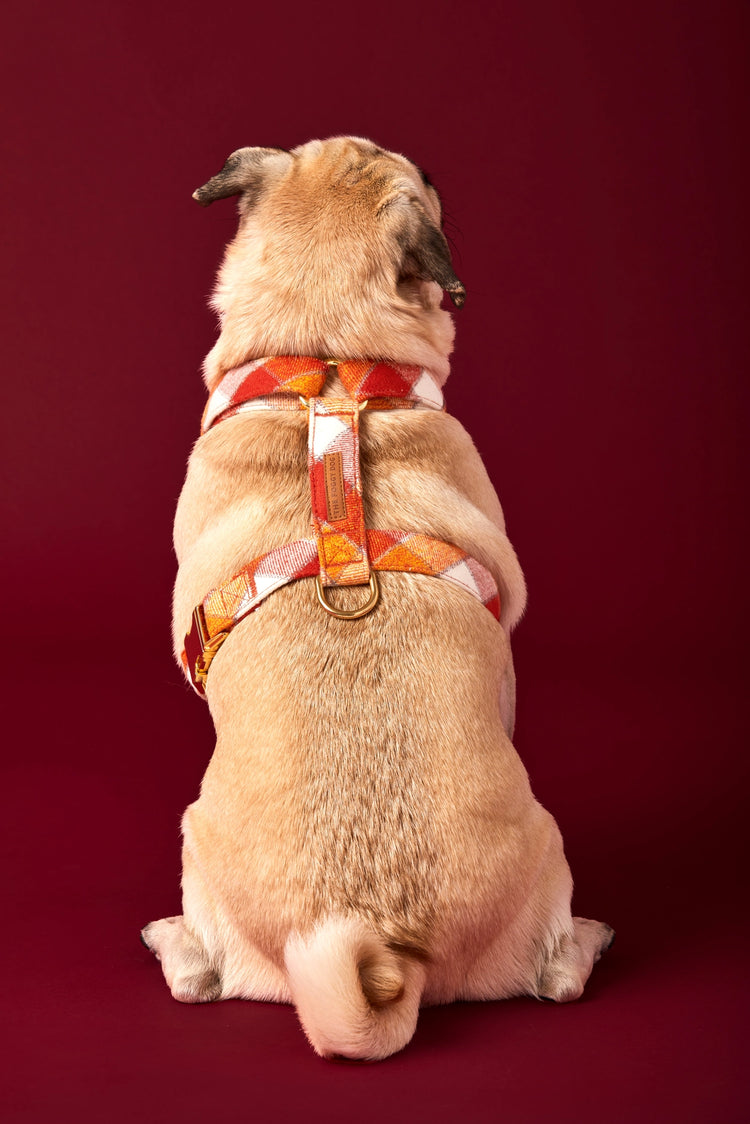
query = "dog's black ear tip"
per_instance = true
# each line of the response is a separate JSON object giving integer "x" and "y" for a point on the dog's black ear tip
{"x": 201, "y": 198}
{"x": 458, "y": 295}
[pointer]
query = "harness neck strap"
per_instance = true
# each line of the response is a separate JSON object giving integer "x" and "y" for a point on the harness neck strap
{"x": 279, "y": 382}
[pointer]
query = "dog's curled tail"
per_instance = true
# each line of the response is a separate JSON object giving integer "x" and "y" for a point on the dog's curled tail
{"x": 355, "y": 997}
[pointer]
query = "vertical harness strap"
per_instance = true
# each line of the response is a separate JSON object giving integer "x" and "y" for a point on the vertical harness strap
{"x": 338, "y": 519}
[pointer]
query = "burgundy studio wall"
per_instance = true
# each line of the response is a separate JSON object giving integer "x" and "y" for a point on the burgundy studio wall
{"x": 593, "y": 169}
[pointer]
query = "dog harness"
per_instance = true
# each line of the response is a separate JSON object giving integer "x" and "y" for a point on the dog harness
{"x": 342, "y": 550}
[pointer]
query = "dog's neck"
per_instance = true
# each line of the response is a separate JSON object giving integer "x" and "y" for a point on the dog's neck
{"x": 240, "y": 343}
{"x": 263, "y": 312}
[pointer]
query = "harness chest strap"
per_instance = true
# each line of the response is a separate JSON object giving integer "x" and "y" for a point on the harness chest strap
{"x": 228, "y": 604}
{"x": 342, "y": 552}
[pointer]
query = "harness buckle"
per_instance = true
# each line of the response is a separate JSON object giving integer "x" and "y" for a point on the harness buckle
{"x": 349, "y": 614}
{"x": 206, "y": 659}
{"x": 200, "y": 649}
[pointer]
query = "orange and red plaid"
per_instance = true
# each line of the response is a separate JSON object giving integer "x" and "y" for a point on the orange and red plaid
{"x": 342, "y": 547}
{"x": 389, "y": 384}
{"x": 251, "y": 385}
{"x": 277, "y": 383}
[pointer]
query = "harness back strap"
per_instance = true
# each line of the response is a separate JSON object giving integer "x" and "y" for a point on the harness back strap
{"x": 338, "y": 517}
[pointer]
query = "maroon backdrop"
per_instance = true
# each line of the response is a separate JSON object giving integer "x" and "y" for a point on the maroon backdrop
{"x": 595, "y": 186}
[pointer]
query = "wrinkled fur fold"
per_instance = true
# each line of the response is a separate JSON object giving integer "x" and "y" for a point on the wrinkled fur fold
{"x": 366, "y": 840}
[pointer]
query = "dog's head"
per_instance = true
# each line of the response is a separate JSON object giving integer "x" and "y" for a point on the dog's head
{"x": 339, "y": 249}
{"x": 343, "y": 182}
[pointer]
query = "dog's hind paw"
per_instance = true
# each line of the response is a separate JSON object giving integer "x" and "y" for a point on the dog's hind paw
{"x": 569, "y": 966}
{"x": 191, "y": 976}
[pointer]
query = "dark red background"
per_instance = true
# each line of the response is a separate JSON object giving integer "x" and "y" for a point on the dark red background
{"x": 592, "y": 166}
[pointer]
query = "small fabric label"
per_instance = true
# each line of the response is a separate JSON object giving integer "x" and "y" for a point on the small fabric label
{"x": 333, "y": 472}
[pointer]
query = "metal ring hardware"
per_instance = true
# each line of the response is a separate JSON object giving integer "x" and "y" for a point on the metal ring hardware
{"x": 349, "y": 614}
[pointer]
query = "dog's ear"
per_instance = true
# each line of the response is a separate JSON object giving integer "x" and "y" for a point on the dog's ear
{"x": 243, "y": 174}
{"x": 427, "y": 255}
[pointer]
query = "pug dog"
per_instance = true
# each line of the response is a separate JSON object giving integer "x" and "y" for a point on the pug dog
{"x": 366, "y": 840}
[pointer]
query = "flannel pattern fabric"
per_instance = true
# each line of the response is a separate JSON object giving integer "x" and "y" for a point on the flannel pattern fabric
{"x": 277, "y": 383}
{"x": 340, "y": 532}
{"x": 390, "y": 384}
{"x": 414, "y": 553}
{"x": 224, "y": 606}
{"x": 254, "y": 383}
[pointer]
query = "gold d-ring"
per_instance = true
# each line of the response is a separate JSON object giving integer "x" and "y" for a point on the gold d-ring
{"x": 349, "y": 614}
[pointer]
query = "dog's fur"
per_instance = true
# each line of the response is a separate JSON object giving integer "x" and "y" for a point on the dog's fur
{"x": 366, "y": 839}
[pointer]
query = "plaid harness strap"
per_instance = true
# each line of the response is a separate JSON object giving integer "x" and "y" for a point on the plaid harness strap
{"x": 342, "y": 552}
